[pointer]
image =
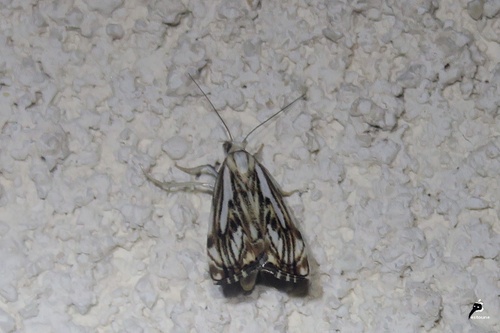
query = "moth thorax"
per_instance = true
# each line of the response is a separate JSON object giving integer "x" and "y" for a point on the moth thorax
{"x": 241, "y": 161}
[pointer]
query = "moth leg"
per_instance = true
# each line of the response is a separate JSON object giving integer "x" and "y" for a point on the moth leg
{"x": 300, "y": 191}
{"x": 205, "y": 169}
{"x": 258, "y": 154}
{"x": 289, "y": 193}
{"x": 180, "y": 186}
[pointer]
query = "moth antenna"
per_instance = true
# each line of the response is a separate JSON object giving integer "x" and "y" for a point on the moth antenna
{"x": 274, "y": 115}
{"x": 213, "y": 107}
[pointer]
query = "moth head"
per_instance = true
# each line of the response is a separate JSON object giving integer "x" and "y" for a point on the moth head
{"x": 231, "y": 146}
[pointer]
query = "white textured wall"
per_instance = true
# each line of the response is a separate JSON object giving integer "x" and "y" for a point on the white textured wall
{"x": 398, "y": 145}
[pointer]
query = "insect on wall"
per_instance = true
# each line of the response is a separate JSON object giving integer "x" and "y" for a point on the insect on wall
{"x": 251, "y": 236}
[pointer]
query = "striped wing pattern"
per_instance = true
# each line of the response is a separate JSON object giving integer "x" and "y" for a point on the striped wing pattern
{"x": 251, "y": 229}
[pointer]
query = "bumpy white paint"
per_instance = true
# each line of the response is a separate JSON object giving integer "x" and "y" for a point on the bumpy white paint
{"x": 398, "y": 145}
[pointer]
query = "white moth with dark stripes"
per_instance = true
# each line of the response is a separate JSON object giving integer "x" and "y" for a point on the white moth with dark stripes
{"x": 251, "y": 228}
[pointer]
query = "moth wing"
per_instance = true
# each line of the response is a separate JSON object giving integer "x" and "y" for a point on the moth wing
{"x": 285, "y": 248}
{"x": 233, "y": 255}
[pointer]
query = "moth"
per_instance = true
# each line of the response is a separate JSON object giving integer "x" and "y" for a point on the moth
{"x": 251, "y": 229}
